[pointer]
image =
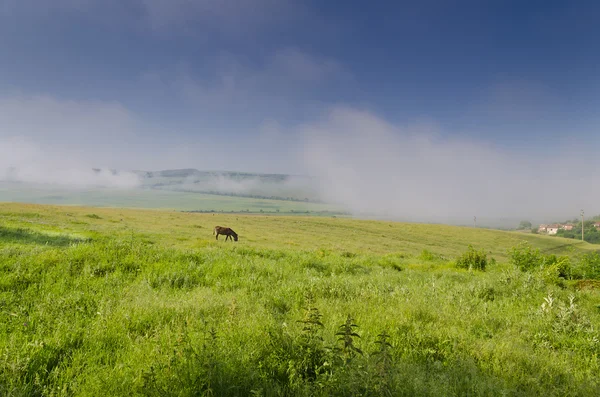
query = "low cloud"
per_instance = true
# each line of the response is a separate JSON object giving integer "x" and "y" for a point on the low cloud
{"x": 49, "y": 121}
{"x": 23, "y": 161}
{"x": 48, "y": 140}
{"x": 374, "y": 168}
{"x": 266, "y": 185}
{"x": 44, "y": 140}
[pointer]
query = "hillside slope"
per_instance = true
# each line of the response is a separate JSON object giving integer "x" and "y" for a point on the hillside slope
{"x": 242, "y": 184}
{"x": 194, "y": 230}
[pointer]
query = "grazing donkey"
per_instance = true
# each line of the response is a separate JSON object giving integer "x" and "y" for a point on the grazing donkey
{"x": 226, "y": 232}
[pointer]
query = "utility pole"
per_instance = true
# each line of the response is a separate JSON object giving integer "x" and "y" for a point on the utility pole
{"x": 581, "y": 225}
{"x": 474, "y": 221}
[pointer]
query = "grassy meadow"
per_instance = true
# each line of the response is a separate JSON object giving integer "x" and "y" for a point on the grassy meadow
{"x": 120, "y": 302}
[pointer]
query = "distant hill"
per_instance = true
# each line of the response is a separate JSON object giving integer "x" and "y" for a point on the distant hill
{"x": 190, "y": 180}
{"x": 233, "y": 183}
{"x": 194, "y": 173}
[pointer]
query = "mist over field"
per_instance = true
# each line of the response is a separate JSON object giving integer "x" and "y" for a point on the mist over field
{"x": 380, "y": 169}
{"x": 275, "y": 185}
{"x": 349, "y": 157}
{"x": 21, "y": 161}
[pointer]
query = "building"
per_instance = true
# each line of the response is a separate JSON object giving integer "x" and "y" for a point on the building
{"x": 555, "y": 227}
{"x": 552, "y": 229}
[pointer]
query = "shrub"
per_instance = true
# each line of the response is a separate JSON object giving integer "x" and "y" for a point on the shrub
{"x": 391, "y": 260}
{"x": 561, "y": 265}
{"x": 524, "y": 257}
{"x": 472, "y": 259}
{"x": 551, "y": 268}
{"x": 589, "y": 266}
{"x": 428, "y": 256}
{"x": 555, "y": 270}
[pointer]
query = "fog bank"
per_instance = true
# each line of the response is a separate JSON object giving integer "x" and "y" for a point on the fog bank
{"x": 354, "y": 158}
{"x": 23, "y": 161}
{"x": 374, "y": 168}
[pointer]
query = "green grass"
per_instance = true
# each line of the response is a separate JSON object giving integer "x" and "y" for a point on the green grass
{"x": 111, "y": 302}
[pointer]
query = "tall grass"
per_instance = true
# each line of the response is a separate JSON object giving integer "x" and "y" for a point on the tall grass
{"x": 123, "y": 313}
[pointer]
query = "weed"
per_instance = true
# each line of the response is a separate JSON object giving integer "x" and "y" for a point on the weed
{"x": 346, "y": 338}
{"x": 312, "y": 352}
{"x": 383, "y": 364}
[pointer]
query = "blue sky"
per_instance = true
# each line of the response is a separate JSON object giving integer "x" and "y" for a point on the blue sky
{"x": 184, "y": 83}
{"x": 497, "y": 69}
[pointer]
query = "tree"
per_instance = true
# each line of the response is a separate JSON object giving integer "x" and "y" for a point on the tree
{"x": 524, "y": 225}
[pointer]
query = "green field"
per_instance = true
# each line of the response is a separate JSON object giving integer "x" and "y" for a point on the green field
{"x": 120, "y": 302}
{"x": 153, "y": 198}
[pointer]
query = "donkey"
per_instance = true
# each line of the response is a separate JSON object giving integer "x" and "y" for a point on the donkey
{"x": 226, "y": 232}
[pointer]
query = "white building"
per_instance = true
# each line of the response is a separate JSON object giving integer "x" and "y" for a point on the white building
{"x": 552, "y": 229}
